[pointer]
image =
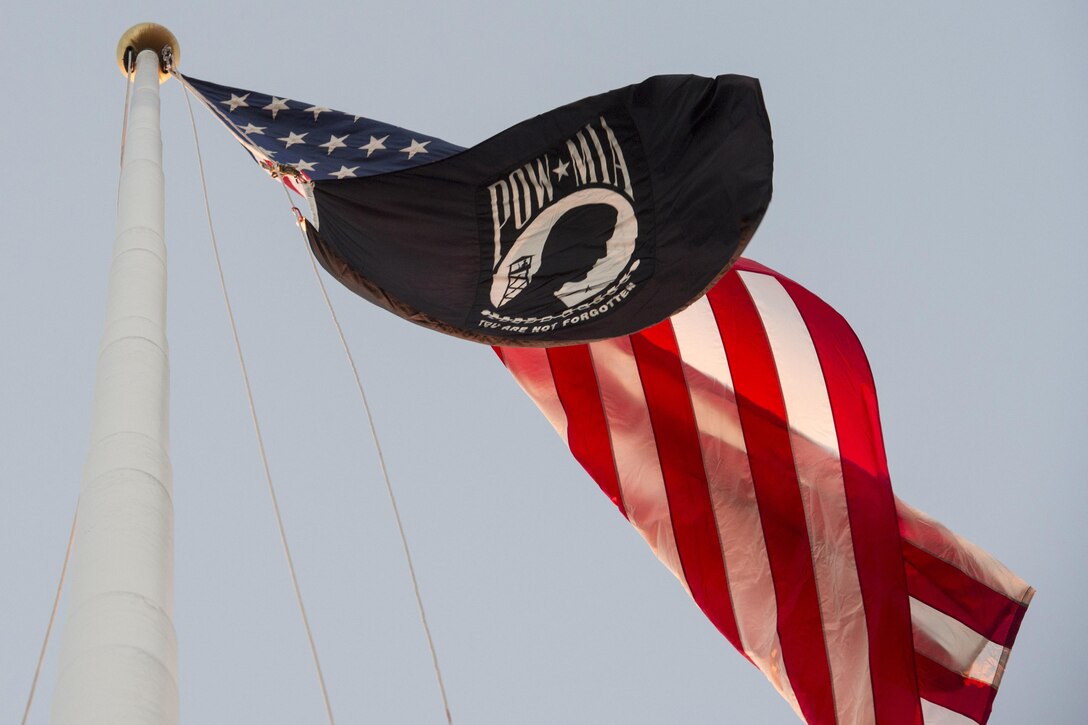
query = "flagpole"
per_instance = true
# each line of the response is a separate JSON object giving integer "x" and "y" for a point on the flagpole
{"x": 118, "y": 659}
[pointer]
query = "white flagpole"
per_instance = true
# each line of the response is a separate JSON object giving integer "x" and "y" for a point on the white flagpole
{"x": 118, "y": 659}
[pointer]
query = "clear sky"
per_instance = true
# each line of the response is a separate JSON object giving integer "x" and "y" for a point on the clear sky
{"x": 930, "y": 183}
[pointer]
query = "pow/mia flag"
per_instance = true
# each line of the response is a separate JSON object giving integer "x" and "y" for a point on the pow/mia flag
{"x": 594, "y": 220}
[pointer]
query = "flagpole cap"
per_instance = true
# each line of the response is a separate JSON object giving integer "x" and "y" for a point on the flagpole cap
{"x": 153, "y": 37}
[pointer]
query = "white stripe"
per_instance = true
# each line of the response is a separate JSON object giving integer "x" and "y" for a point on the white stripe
{"x": 642, "y": 484}
{"x": 819, "y": 471}
{"x": 953, "y": 645}
{"x": 534, "y": 374}
{"x": 736, "y": 513}
{"x": 799, "y": 371}
{"x": 936, "y": 539}
{"x": 934, "y": 714}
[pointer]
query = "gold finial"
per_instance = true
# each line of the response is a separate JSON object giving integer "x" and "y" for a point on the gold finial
{"x": 148, "y": 36}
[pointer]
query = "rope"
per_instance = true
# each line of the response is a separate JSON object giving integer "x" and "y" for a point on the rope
{"x": 381, "y": 463}
{"x": 52, "y": 618}
{"x": 256, "y": 424}
{"x": 72, "y": 531}
{"x": 129, "y": 72}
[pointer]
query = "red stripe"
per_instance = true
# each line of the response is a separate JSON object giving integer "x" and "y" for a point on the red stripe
{"x": 874, "y": 522}
{"x": 677, "y": 437}
{"x": 587, "y": 431}
{"x": 970, "y": 698}
{"x": 762, "y": 414}
{"x": 947, "y": 589}
{"x": 1014, "y": 630}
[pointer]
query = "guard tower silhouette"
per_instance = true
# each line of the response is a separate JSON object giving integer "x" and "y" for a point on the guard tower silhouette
{"x": 519, "y": 278}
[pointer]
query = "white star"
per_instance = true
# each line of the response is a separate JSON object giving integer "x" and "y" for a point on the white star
{"x": 317, "y": 110}
{"x": 334, "y": 142}
{"x": 266, "y": 152}
{"x": 292, "y": 138}
{"x": 236, "y": 102}
{"x": 375, "y": 144}
{"x": 561, "y": 170}
{"x": 304, "y": 165}
{"x": 356, "y": 119}
{"x": 415, "y": 148}
{"x": 344, "y": 172}
{"x": 250, "y": 128}
{"x": 277, "y": 105}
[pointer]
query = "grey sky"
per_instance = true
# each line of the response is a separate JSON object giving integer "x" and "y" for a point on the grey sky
{"x": 930, "y": 184}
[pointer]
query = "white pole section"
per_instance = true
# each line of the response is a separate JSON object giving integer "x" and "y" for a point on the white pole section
{"x": 118, "y": 659}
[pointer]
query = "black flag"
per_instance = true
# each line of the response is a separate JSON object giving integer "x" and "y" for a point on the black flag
{"x": 594, "y": 220}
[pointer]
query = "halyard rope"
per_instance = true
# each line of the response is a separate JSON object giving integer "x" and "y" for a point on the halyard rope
{"x": 256, "y": 424}
{"x": 129, "y": 69}
{"x": 52, "y": 617}
{"x": 381, "y": 462}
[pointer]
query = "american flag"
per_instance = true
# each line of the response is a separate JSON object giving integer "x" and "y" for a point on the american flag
{"x": 293, "y": 137}
{"x": 742, "y": 440}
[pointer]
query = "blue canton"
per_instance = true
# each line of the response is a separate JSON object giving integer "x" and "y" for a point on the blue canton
{"x": 316, "y": 141}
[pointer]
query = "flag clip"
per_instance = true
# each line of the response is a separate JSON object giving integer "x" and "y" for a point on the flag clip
{"x": 285, "y": 171}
